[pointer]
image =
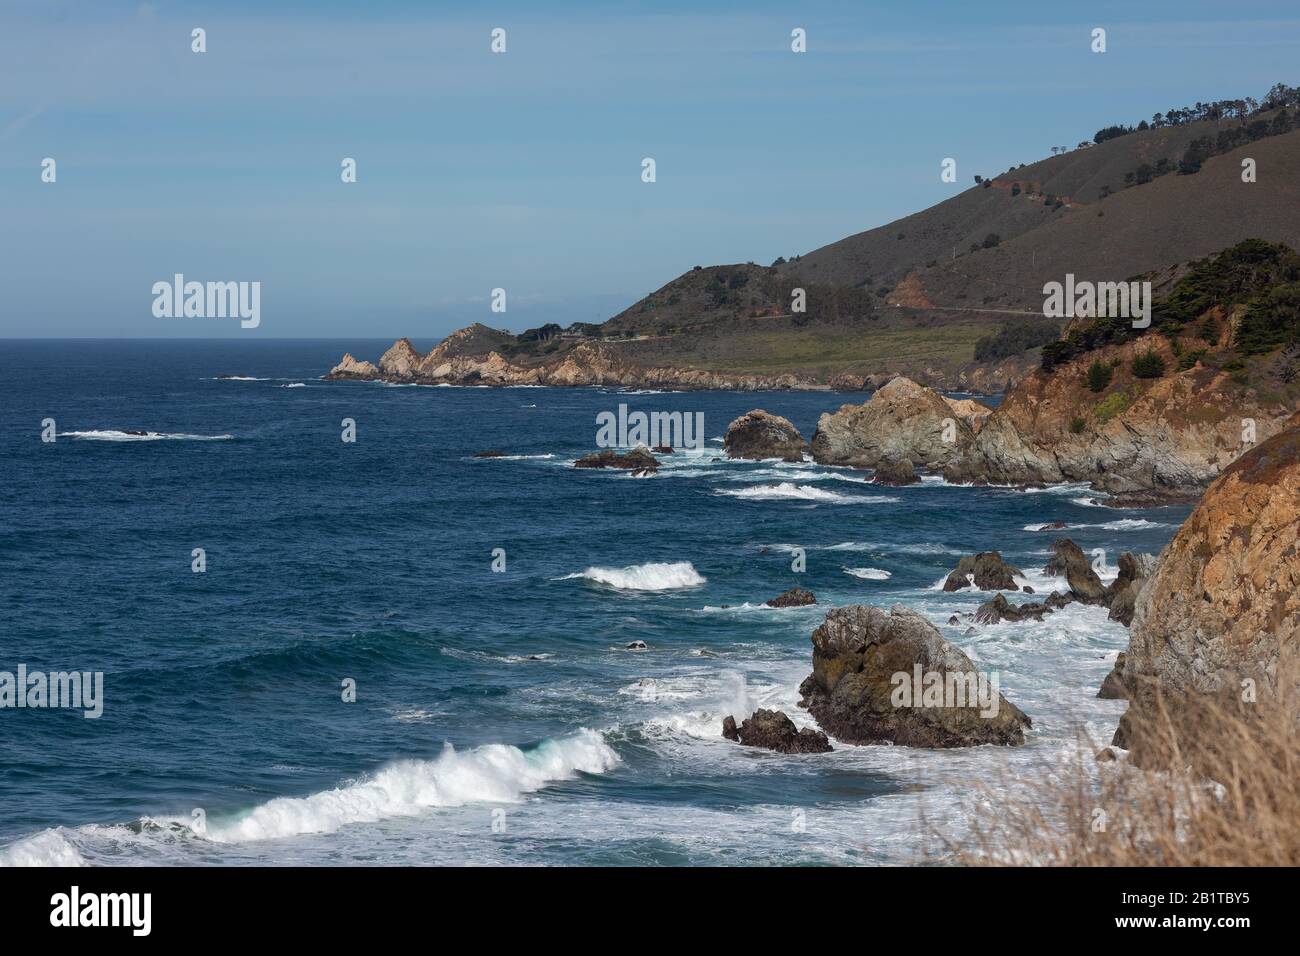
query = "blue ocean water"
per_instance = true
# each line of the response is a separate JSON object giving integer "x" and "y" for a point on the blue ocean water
{"x": 499, "y": 716}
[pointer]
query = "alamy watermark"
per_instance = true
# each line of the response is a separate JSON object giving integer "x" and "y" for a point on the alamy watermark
{"x": 923, "y": 688}
{"x": 652, "y": 429}
{"x": 1098, "y": 300}
{"x": 208, "y": 300}
{"x": 80, "y": 690}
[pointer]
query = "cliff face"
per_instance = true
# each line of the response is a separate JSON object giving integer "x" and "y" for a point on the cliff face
{"x": 1169, "y": 436}
{"x": 1224, "y": 605}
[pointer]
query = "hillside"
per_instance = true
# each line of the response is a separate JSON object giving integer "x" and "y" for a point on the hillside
{"x": 951, "y": 296}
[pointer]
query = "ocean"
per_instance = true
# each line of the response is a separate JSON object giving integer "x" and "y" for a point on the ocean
{"x": 499, "y": 715}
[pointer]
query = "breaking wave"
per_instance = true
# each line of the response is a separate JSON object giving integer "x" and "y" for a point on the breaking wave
{"x": 655, "y": 576}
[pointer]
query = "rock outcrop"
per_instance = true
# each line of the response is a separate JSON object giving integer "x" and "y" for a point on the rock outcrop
{"x": 638, "y": 459}
{"x": 1000, "y": 609}
{"x": 1223, "y": 607}
{"x": 895, "y": 471}
{"x": 758, "y": 435}
{"x": 1155, "y": 439}
{"x": 773, "y": 730}
{"x": 901, "y": 420}
{"x": 864, "y": 657}
{"x": 795, "y": 597}
{"x": 1112, "y": 687}
{"x": 1122, "y": 595}
{"x": 349, "y": 367}
{"x": 1069, "y": 561}
{"x": 985, "y": 571}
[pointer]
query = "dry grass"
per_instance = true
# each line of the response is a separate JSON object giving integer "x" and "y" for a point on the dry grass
{"x": 1207, "y": 784}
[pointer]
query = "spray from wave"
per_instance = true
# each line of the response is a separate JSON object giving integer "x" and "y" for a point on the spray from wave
{"x": 655, "y": 576}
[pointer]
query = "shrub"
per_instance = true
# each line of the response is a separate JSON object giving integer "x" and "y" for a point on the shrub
{"x": 1110, "y": 406}
{"x": 991, "y": 240}
{"x": 1099, "y": 376}
{"x": 1015, "y": 337}
{"x": 1077, "y": 425}
{"x": 1189, "y": 359}
{"x": 1148, "y": 365}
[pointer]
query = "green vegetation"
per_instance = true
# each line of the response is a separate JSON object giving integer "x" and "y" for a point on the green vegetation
{"x": 1110, "y": 406}
{"x": 1262, "y": 276}
{"x": 1015, "y": 337}
{"x": 1099, "y": 376}
{"x": 1148, "y": 365}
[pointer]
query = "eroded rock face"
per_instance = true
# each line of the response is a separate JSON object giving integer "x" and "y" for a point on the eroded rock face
{"x": 1164, "y": 438}
{"x": 795, "y": 597}
{"x": 773, "y": 730}
{"x": 349, "y": 367}
{"x": 1112, "y": 688}
{"x": 758, "y": 435}
{"x": 858, "y": 650}
{"x": 988, "y": 571}
{"x": 1224, "y": 604}
{"x": 1122, "y": 595}
{"x": 901, "y": 420}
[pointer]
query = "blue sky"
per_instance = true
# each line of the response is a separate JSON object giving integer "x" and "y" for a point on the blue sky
{"x": 522, "y": 170}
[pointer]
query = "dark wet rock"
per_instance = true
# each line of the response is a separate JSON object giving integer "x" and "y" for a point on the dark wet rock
{"x": 857, "y": 653}
{"x": 636, "y": 646}
{"x": 773, "y": 730}
{"x": 490, "y": 454}
{"x": 1122, "y": 595}
{"x": 638, "y": 459}
{"x": 990, "y": 573}
{"x": 954, "y": 619}
{"x": 1056, "y": 600}
{"x": 1027, "y": 589}
{"x": 758, "y": 435}
{"x": 663, "y": 449}
{"x": 1068, "y": 560}
{"x": 1112, "y": 688}
{"x": 1000, "y": 609}
{"x": 895, "y": 471}
{"x": 795, "y": 597}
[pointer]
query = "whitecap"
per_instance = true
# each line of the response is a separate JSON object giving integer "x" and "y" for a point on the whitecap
{"x": 654, "y": 576}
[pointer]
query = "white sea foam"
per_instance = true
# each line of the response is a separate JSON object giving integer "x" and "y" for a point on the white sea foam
{"x": 47, "y": 848}
{"x": 113, "y": 435}
{"x": 654, "y": 576}
{"x": 788, "y": 491}
{"x": 869, "y": 574}
{"x": 495, "y": 773}
{"x": 239, "y": 378}
{"x": 295, "y": 385}
{"x": 1121, "y": 524}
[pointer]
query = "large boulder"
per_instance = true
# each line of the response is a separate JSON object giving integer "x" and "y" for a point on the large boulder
{"x": 1068, "y": 560}
{"x": 1112, "y": 687}
{"x": 1221, "y": 614}
{"x": 895, "y": 471}
{"x": 863, "y": 656}
{"x": 758, "y": 435}
{"x": 986, "y": 570}
{"x": 902, "y": 420}
{"x": 1000, "y": 609}
{"x": 773, "y": 730}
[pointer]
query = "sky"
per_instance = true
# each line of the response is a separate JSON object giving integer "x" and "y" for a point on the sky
{"x": 522, "y": 170}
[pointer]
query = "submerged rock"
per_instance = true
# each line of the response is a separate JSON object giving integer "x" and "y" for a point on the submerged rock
{"x": 638, "y": 459}
{"x": 490, "y": 454}
{"x": 636, "y": 646}
{"x": 773, "y": 730}
{"x": 758, "y": 435}
{"x": 863, "y": 656}
{"x": 989, "y": 571}
{"x": 795, "y": 597}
